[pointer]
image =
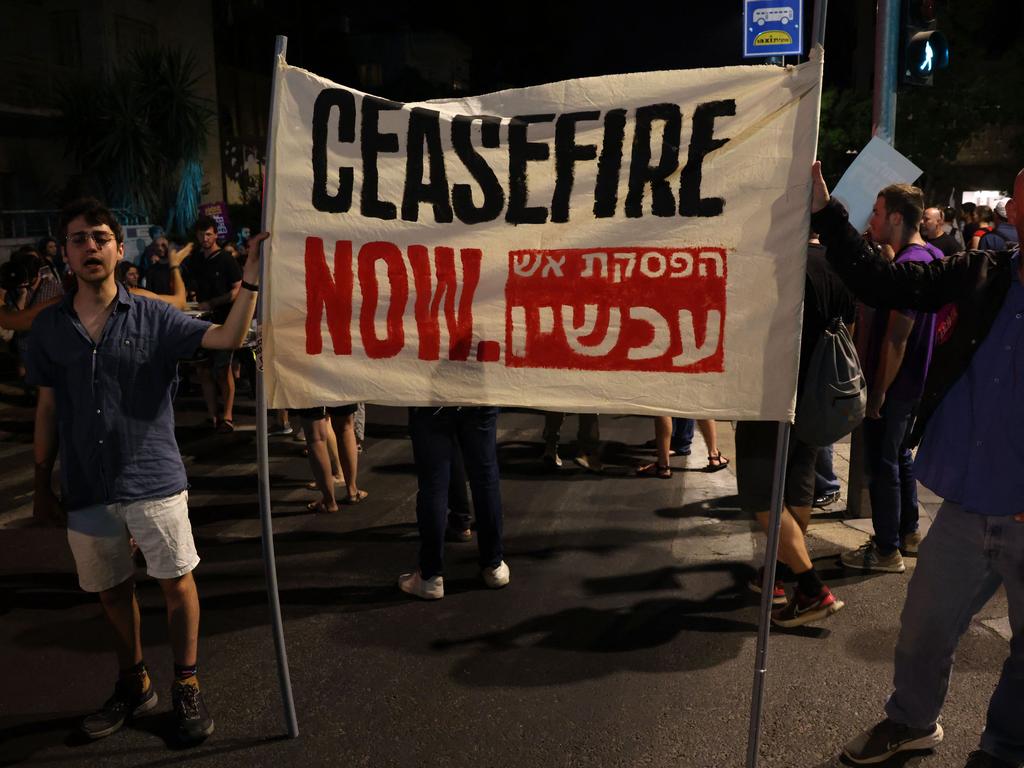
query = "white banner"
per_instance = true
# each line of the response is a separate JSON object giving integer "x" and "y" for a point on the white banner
{"x": 623, "y": 244}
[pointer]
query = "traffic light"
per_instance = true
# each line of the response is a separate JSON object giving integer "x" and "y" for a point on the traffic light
{"x": 924, "y": 47}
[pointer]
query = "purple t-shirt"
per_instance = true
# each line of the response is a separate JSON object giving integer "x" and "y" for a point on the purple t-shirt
{"x": 909, "y": 382}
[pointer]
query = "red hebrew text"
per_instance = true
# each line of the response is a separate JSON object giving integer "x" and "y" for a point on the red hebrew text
{"x": 617, "y": 309}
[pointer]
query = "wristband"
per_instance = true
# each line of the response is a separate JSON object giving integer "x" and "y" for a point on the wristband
{"x": 176, "y": 266}
{"x": 250, "y": 287}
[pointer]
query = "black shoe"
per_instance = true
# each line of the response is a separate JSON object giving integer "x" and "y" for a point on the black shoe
{"x": 981, "y": 759}
{"x": 826, "y": 498}
{"x": 194, "y": 721}
{"x": 124, "y": 705}
{"x": 882, "y": 741}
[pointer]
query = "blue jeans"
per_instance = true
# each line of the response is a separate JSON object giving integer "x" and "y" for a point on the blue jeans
{"x": 893, "y": 489}
{"x": 434, "y": 432}
{"x": 825, "y": 480}
{"x": 961, "y": 563}
{"x": 682, "y": 435}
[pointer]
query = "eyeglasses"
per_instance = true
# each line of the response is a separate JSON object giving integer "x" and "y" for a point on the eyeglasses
{"x": 99, "y": 237}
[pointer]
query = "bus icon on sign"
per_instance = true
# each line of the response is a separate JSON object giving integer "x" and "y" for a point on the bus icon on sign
{"x": 762, "y": 15}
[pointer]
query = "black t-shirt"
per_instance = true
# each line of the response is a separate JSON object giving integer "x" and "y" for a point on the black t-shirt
{"x": 946, "y": 243}
{"x": 212, "y": 276}
{"x": 825, "y": 298}
{"x": 158, "y": 278}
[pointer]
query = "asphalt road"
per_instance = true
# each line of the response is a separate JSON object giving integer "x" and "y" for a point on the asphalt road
{"x": 626, "y": 637}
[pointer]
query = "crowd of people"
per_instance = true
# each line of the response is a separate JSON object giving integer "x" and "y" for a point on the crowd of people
{"x": 938, "y": 333}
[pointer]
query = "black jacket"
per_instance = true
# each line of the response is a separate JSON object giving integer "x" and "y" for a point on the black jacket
{"x": 975, "y": 282}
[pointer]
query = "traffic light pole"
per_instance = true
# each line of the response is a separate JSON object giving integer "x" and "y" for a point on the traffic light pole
{"x": 887, "y": 32}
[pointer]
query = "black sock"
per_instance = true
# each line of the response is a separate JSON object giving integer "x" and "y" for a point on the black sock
{"x": 809, "y": 583}
{"x": 783, "y": 572}
{"x": 134, "y": 678}
{"x": 184, "y": 673}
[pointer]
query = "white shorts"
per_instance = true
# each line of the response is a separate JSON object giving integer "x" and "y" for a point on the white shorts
{"x": 98, "y": 536}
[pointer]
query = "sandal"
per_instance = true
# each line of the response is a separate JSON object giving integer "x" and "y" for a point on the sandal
{"x": 320, "y": 507}
{"x": 225, "y": 426}
{"x": 716, "y": 462}
{"x": 653, "y": 469}
{"x": 359, "y": 497}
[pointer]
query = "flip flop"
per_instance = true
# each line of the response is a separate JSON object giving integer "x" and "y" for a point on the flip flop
{"x": 654, "y": 470}
{"x": 716, "y": 462}
{"x": 225, "y": 426}
{"x": 358, "y": 498}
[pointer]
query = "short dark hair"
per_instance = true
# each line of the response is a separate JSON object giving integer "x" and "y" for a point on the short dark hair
{"x": 907, "y": 200}
{"x": 204, "y": 223}
{"x": 94, "y": 212}
{"x": 968, "y": 207}
{"x": 985, "y": 213}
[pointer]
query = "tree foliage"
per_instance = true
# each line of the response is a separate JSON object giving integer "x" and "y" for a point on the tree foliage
{"x": 134, "y": 129}
{"x": 980, "y": 89}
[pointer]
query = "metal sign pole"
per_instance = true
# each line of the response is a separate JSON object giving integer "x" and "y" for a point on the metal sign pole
{"x": 775, "y": 522}
{"x": 262, "y": 450}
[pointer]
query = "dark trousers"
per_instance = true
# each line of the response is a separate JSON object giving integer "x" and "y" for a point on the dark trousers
{"x": 825, "y": 480}
{"x": 682, "y": 434}
{"x": 436, "y": 434}
{"x": 460, "y": 516}
{"x": 893, "y": 489}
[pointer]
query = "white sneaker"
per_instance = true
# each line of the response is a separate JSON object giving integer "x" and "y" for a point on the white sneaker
{"x": 427, "y": 589}
{"x": 590, "y": 462}
{"x": 496, "y": 577}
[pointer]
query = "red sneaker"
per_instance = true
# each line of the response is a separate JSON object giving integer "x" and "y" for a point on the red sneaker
{"x": 778, "y": 591}
{"x": 803, "y": 610}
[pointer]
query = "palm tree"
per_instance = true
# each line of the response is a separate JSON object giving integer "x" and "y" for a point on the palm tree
{"x": 138, "y": 131}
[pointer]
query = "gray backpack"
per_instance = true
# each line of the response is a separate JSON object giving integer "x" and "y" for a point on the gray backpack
{"x": 835, "y": 394}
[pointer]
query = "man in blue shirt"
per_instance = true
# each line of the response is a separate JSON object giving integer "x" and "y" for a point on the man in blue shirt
{"x": 105, "y": 361}
{"x": 971, "y": 418}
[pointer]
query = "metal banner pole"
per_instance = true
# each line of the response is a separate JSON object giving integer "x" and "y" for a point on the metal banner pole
{"x": 774, "y": 523}
{"x": 767, "y": 584}
{"x": 262, "y": 450}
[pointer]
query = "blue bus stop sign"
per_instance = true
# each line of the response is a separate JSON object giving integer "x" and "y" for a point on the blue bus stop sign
{"x": 772, "y": 27}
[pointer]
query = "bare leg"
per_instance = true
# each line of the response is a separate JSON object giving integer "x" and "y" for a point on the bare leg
{"x": 122, "y": 611}
{"x": 227, "y": 390}
{"x": 662, "y": 438}
{"x": 802, "y": 515}
{"x": 209, "y": 390}
{"x": 349, "y": 454}
{"x": 331, "y": 438}
{"x": 709, "y": 431}
{"x": 320, "y": 461}
{"x": 182, "y": 617}
{"x": 792, "y": 547}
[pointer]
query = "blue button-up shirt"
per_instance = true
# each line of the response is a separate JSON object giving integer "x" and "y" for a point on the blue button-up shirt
{"x": 115, "y": 417}
{"x": 972, "y": 452}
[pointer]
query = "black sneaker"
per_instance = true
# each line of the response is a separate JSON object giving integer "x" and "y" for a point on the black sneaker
{"x": 820, "y": 502}
{"x": 194, "y": 721}
{"x": 981, "y": 759}
{"x": 878, "y": 744}
{"x": 124, "y": 705}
